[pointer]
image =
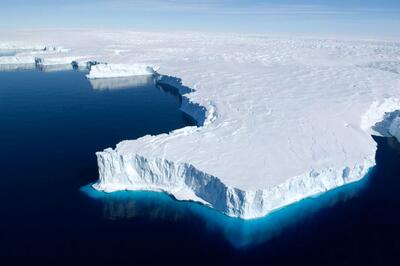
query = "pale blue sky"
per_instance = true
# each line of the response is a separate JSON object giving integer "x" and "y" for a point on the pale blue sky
{"x": 310, "y": 17}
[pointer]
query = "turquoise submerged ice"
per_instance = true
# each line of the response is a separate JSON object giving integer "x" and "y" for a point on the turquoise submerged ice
{"x": 280, "y": 119}
{"x": 238, "y": 232}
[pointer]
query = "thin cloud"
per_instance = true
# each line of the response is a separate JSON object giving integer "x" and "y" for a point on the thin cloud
{"x": 283, "y": 10}
{"x": 162, "y": 5}
{"x": 222, "y": 7}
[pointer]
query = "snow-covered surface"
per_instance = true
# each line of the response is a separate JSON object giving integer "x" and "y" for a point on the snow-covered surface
{"x": 281, "y": 118}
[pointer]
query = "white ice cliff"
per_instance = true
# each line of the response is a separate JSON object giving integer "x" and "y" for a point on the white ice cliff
{"x": 280, "y": 119}
{"x": 121, "y": 83}
{"x": 119, "y": 70}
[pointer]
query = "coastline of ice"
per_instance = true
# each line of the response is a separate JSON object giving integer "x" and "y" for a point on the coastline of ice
{"x": 279, "y": 119}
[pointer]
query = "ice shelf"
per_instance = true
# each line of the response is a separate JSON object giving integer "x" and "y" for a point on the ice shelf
{"x": 280, "y": 119}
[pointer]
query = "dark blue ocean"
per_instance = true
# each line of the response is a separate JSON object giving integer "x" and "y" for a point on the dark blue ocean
{"x": 51, "y": 125}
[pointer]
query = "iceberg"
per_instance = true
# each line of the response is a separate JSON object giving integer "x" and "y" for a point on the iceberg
{"x": 279, "y": 119}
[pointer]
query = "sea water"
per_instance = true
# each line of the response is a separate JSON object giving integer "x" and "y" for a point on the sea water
{"x": 52, "y": 123}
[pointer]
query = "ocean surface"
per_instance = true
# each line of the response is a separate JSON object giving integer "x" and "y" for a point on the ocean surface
{"x": 53, "y": 122}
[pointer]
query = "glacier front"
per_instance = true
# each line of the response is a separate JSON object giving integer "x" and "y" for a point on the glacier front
{"x": 279, "y": 119}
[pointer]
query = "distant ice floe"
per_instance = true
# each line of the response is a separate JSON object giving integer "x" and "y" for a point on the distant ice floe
{"x": 45, "y": 58}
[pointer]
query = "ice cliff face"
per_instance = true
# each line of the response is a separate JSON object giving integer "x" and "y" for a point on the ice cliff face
{"x": 120, "y": 70}
{"x": 185, "y": 182}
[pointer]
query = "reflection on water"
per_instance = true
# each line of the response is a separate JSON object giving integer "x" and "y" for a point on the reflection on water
{"x": 121, "y": 83}
{"x": 240, "y": 233}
